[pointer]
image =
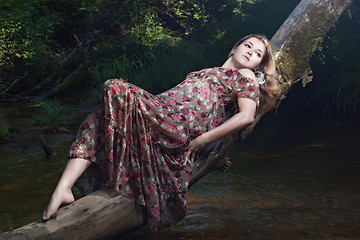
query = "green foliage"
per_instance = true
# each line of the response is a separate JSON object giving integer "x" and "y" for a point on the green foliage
{"x": 4, "y": 131}
{"x": 76, "y": 81}
{"x": 52, "y": 114}
{"x": 194, "y": 10}
{"x": 25, "y": 31}
{"x": 38, "y": 36}
{"x": 119, "y": 67}
{"x": 171, "y": 64}
{"x": 160, "y": 69}
{"x": 153, "y": 44}
{"x": 146, "y": 26}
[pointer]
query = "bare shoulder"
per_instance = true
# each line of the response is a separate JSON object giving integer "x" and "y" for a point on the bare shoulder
{"x": 247, "y": 73}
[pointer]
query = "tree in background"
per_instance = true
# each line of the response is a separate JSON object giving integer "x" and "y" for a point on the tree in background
{"x": 42, "y": 42}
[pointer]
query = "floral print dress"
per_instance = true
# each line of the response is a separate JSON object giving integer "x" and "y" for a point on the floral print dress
{"x": 137, "y": 141}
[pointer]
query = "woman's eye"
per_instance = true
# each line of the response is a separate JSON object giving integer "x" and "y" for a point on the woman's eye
{"x": 258, "y": 54}
{"x": 247, "y": 45}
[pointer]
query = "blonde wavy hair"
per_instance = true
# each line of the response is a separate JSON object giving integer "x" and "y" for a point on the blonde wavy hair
{"x": 270, "y": 90}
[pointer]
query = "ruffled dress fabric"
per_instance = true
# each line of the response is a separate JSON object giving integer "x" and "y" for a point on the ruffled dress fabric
{"x": 137, "y": 141}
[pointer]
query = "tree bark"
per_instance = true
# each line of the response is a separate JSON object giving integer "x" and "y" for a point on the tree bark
{"x": 104, "y": 213}
{"x": 297, "y": 39}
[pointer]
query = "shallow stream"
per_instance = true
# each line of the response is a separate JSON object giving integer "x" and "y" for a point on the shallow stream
{"x": 290, "y": 179}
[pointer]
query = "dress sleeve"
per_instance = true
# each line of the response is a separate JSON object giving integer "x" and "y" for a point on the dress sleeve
{"x": 243, "y": 86}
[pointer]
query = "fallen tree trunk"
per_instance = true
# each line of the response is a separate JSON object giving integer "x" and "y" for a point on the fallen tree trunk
{"x": 297, "y": 39}
{"x": 104, "y": 213}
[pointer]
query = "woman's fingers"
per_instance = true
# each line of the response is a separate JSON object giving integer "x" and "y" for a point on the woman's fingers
{"x": 187, "y": 156}
{"x": 190, "y": 156}
{"x": 193, "y": 149}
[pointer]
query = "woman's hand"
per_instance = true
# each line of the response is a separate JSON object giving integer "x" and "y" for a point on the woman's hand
{"x": 245, "y": 116}
{"x": 195, "y": 147}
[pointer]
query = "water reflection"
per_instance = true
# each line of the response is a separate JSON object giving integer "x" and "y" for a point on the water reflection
{"x": 288, "y": 180}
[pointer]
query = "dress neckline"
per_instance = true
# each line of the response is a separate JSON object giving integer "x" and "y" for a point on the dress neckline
{"x": 236, "y": 71}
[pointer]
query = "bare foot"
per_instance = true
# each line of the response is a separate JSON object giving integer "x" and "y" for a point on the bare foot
{"x": 58, "y": 198}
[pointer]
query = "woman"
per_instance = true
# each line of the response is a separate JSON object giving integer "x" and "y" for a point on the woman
{"x": 143, "y": 146}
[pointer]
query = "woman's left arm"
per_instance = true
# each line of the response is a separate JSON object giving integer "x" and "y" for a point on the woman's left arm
{"x": 245, "y": 116}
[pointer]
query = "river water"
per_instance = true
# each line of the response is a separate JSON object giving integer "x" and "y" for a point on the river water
{"x": 292, "y": 178}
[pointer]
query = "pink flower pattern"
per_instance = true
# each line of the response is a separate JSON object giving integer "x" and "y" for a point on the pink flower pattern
{"x": 137, "y": 141}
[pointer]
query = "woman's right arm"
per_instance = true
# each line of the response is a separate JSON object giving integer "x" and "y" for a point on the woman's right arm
{"x": 245, "y": 116}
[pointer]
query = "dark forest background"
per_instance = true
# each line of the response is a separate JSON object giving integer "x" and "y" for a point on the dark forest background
{"x": 52, "y": 50}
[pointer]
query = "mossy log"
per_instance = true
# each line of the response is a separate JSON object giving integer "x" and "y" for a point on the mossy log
{"x": 297, "y": 39}
{"x": 103, "y": 213}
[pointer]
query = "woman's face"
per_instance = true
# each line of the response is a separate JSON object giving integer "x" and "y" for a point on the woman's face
{"x": 249, "y": 54}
